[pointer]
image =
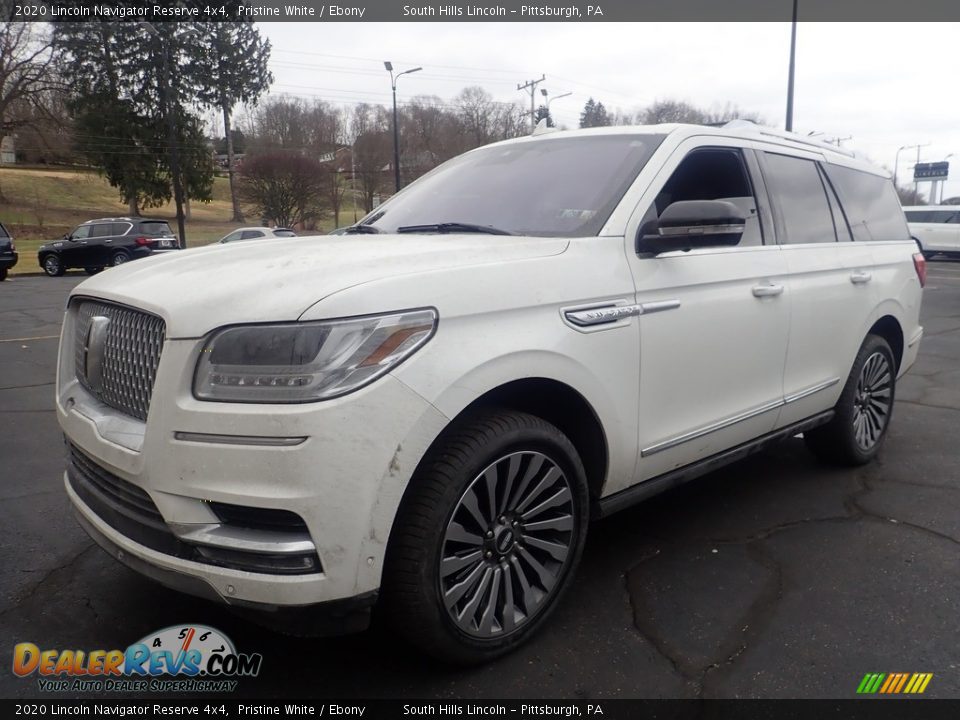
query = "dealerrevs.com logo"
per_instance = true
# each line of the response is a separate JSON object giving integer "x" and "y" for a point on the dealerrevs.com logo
{"x": 180, "y": 658}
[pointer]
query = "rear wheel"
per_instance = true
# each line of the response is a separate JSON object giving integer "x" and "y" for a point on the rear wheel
{"x": 119, "y": 258}
{"x": 864, "y": 409}
{"x": 53, "y": 266}
{"x": 486, "y": 538}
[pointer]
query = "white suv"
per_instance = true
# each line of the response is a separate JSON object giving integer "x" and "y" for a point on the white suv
{"x": 936, "y": 228}
{"x": 425, "y": 413}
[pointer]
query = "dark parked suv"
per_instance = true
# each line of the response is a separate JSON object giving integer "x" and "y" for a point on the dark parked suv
{"x": 8, "y": 252}
{"x": 108, "y": 241}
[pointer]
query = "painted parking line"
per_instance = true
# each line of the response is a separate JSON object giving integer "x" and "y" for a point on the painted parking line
{"x": 28, "y": 339}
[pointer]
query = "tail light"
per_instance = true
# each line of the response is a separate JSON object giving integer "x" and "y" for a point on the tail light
{"x": 142, "y": 240}
{"x": 13, "y": 248}
{"x": 920, "y": 265}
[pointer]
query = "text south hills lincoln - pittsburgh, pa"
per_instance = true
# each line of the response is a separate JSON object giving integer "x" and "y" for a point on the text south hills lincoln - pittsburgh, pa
{"x": 452, "y": 11}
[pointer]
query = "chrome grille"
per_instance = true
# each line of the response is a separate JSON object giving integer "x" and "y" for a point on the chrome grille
{"x": 130, "y": 355}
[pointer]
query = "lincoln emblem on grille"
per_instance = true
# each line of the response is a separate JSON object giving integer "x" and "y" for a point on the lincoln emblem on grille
{"x": 93, "y": 351}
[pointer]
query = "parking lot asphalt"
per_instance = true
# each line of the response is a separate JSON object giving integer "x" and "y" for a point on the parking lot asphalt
{"x": 774, "y": 577}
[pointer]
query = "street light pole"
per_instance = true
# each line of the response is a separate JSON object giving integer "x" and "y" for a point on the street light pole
{"x": 396, "y": 130}
{"x": 793, "y": 62}
{"x": 549, "y": 100}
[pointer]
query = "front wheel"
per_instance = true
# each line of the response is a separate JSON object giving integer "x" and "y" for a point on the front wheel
{"x": 53, "y": 266}
{"x": 487, "y": 537}
{"x": 863, "y": 412}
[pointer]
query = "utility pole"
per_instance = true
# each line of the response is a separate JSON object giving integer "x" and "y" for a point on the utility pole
{"x": 531, "y": 86}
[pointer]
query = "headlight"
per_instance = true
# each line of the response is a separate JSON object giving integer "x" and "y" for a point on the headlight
{"x": 304, "y": 362}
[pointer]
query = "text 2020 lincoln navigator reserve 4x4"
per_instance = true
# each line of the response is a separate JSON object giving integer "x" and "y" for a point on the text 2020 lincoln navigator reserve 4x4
{"x": 425, "y": 412}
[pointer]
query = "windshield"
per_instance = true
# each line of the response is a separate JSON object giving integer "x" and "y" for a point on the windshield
{"x": 563, "y": 187}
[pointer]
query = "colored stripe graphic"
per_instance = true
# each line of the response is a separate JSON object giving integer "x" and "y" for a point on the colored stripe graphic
{"x": 894, "y": 683}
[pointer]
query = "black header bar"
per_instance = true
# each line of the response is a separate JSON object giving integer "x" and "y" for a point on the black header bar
{"x": 852, "y": 11}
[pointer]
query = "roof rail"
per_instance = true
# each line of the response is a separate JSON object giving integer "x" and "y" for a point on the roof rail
{"x": 787, "y": 135}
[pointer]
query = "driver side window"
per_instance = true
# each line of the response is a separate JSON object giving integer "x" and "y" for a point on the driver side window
{"x": 81, "y": 233}
{"x": 712, "y": 174}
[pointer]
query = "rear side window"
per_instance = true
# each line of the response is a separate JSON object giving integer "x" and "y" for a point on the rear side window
{"x": 798, "y": 191}
{"x": 250, "y": 234}
{"x": 101, "y": 230}
{"x": 155, "y": 229}
{"x": 870, "y": 203}
{"x": 121, "y": 228}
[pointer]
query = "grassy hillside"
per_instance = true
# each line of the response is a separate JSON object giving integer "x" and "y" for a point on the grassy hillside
{"x": 40, "y": 205}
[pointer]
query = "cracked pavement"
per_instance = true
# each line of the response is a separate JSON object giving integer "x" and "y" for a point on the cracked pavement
{"x": 773, "y": 577}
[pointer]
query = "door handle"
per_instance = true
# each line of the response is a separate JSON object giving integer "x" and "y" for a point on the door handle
{"x": 859, "y": 278}
{"x": 762, "y": 291}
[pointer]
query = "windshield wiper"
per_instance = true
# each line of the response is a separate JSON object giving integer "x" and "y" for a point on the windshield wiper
{"x": 453, "y": 227}
{"x": 361, "y": 230}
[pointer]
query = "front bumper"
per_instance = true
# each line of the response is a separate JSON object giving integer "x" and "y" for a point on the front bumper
{"x": 344, "y": 477}
{"x": 336, "y": 617}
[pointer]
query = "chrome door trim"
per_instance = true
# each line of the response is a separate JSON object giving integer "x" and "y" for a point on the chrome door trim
{"x": 609, "y": 313}
{"x": 711, "y": 428}
{"x": 793, "y": 397}
{"x": 734, "y": 419}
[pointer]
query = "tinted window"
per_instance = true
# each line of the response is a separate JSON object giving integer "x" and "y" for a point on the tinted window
{"x": 943, "y": 216}
{"x": 155, "y": 228}
{"x": 250, "y": 234}
{"x": 839, "y": 219}
{"x": 870, "y": 203}
{"x": 711, "y": 174}
{"x": 81, "y": 232}
{"x": 550, "y": 187}
{"x": 797, "y": 189}
{"x": 918, "y": 216}
{"x": 231, "y": 237}
{"x": 121, "y": 228}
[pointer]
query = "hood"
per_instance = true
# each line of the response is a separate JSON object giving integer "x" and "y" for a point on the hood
{"x": 275, "y": 280}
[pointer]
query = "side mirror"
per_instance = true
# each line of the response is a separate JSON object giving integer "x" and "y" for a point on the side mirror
{"x": 690, "y": 224}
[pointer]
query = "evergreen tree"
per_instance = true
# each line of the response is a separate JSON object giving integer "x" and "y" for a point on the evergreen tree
{"x": 594, "y": 115}
{"x": 233, "y": 59}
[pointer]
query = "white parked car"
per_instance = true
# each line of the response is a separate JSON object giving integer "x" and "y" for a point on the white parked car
{"x": 936, "y": 228}
{"x": 256, "y": 233}
{"x": 427, "y": 413}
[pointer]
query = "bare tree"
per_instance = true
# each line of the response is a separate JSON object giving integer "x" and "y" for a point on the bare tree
{"x": 671, "y": 111}
{"x": 285, "y": 187}
{"x": 27, "y": 75}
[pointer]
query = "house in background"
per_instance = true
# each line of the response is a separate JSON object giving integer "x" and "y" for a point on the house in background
{"x": 8, "y": 151}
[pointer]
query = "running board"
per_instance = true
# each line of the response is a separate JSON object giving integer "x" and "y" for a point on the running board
{"x": 654, "y": 486}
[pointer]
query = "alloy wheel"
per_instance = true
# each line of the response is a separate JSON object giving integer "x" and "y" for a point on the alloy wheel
{"x": 871, "y": 402}
{"x": 507, "y": 545}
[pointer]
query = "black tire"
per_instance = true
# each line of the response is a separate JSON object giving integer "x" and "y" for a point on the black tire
{"x": 119, "y": 258}
{"x": 93, "y": 270}
{"x": 3, "y": 274}
{"x": 864, "y": 410}
{"x": 435, "y": 519}
{"x": 53, "y": 265}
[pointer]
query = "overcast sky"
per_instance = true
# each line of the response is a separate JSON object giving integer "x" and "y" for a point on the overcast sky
{"x": 884, "y": 84}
